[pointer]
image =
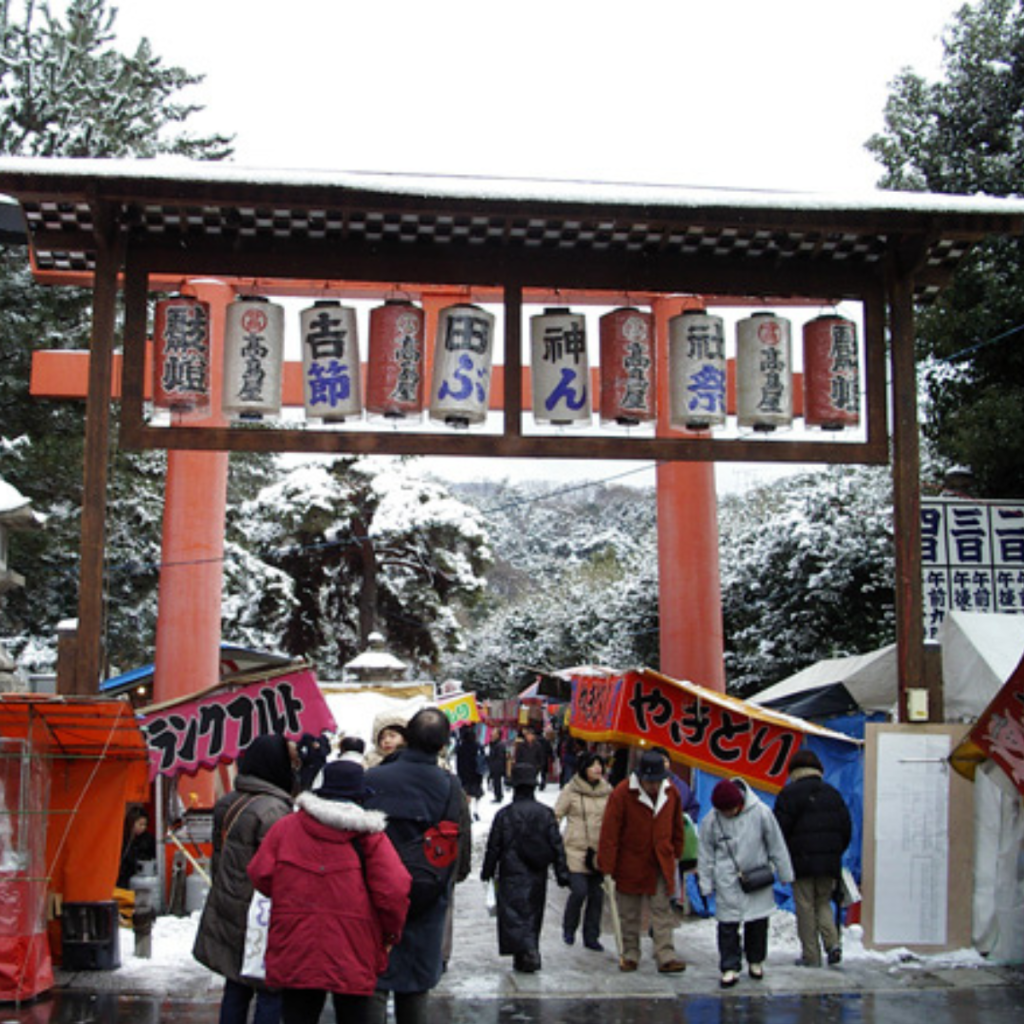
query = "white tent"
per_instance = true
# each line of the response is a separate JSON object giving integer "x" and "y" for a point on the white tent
{"x": 869, "y": 678}
{"x": 979, "y": 651}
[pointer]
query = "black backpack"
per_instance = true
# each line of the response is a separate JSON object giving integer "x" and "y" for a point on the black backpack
{"x": 429, "y": 852}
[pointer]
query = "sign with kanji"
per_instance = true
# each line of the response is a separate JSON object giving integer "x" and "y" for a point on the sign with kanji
{"x": 203, "y": 731}
{"x": 701, "y": 727}
{"x": 972, "y": 558}
{"x": 999, "y": 734}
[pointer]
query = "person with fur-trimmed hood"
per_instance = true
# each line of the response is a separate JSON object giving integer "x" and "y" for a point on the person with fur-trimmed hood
{"x": 388, "y": 735}
{"x": 339, "y": 893}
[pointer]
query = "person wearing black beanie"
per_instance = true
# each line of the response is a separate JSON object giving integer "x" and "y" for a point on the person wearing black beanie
{"x": 267, "y": 770}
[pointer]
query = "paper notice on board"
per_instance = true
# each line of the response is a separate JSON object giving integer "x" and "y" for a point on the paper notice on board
{"x": 912, "y": 839}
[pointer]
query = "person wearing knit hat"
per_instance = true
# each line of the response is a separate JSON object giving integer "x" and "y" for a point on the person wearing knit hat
{"x": 267, "y": 772}
{"x": 332, "y": 855}
{"x": 738, "y": 837}
{"x": 640, "y": 845}
{"x": 816, "y": 824}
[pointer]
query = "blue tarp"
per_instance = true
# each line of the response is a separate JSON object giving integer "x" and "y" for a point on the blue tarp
{"x": 844, "y": 769}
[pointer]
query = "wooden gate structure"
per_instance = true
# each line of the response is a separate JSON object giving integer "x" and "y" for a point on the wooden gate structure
{"x": 136, "y": 227}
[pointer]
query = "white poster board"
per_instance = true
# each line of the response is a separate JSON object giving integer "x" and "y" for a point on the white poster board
{"x": 912, "y": 839}
{"x": 918, "y": 839}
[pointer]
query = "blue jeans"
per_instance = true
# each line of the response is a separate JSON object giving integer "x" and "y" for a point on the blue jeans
{"x": 234, "y": 1004}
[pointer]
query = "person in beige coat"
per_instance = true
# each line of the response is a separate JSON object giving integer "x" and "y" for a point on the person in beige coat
{"x": 581, "y": 804}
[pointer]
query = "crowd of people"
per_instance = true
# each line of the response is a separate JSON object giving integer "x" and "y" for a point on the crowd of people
{"x": 359, "y": 848}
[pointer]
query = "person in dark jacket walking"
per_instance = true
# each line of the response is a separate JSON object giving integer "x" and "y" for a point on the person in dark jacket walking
{"x": 523, "y": 843}
{"x": 332, "y": 855}
{"x": 267, "y": 771}
{"x": 815, "y": 823}
{"x": 497, "y": 765}
{"x": 468, "y": 755}
{"x": 417, "y": 794}
{"x": 530, "y": 751}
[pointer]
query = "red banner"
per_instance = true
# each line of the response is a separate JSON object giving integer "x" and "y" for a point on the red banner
{"x": 999, "y": 734}
{"x": 203, "y": 731}
{"x": 701, "y": 727}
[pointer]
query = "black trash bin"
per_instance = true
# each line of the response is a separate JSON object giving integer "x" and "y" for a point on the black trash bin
{"x": 89, "y": 936}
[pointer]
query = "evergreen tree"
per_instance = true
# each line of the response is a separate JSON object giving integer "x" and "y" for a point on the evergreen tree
{"x": 67, "y": 90}
{"x": 965, "y": 134}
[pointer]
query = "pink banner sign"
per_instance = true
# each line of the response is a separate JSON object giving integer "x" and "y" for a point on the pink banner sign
{"x": 203, "y": 732}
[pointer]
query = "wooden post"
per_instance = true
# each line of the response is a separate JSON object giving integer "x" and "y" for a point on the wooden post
{"x": 91, "y": 619}
{"x": 907, "y": 501}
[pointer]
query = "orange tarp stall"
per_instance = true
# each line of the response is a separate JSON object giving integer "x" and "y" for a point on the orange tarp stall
{"x": 84, "y": 758}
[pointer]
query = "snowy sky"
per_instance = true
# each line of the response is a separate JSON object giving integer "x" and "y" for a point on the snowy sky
{"x": 778, "y": 96}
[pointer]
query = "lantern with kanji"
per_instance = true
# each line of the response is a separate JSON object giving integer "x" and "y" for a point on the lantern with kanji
{"x": 764, "y": 372}
{"x": 181, "y": 354}
{"x": 696, "y": 356}
{"x": 331, "y": 388}
{"x": 560, "y": 368}
{"x": 627, "y": 367}
{"x": 253, "y": 357}
{"x": 394, "y": 375}
{"x": 831, "y": 373}
{"x": 463, "y": 353}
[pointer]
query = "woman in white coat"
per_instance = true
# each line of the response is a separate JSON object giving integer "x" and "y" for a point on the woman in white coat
{"x": 740, "y": 834}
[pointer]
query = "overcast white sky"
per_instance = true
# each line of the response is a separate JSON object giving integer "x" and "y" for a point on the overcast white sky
{"x": 778, "y": 95}
{"x": 745, "y": 94}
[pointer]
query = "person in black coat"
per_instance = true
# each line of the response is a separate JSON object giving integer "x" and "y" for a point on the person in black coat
{"x": 523, "y": 842}
{"x": 415, "y": 793}
{"x": 497, "y": 756}
{"x": 815, "y": 822}
{"x": 468, "y": 755}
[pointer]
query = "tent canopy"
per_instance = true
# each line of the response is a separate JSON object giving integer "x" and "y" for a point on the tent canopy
{"x": 867, "y": 681}
{"x": 979, "y": 651}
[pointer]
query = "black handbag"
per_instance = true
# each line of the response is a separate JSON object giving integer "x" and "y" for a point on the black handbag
{"x": 753, "y": 879}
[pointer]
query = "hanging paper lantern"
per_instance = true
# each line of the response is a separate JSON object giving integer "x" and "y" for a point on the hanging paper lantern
{"x": 181, "y": 354}
{"x": 831, "y": 373}
{"x": 462, "y": 365}
{"x": 253, "y": 356}
{"x": 764, "y": 372}
{"x": 394, "y": 377}
{"x": 560, "y": 369}
{"x": 627, "y": 367}
{"x": 696, "y": 355}
{"x": 331, "y": 388}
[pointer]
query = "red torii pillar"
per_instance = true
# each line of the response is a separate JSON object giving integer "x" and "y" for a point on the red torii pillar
{"x": 691, "y": 639}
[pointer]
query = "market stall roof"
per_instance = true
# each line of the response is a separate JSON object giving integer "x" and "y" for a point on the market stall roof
{"x": 219, "y": 217}
{"x": 979, "y": 651}
{"x": 73, "y": 726}
{"x": 836, "y": 686}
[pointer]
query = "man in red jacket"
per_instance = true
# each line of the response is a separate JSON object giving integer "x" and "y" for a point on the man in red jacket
{"x": 640, "y": 846}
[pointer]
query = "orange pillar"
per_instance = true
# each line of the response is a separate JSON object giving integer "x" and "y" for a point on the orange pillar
{"x": 191, "y": 573}
{"x": 689, "y": 586}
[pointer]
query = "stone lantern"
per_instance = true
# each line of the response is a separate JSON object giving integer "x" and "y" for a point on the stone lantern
{"x": 375, "y": 665}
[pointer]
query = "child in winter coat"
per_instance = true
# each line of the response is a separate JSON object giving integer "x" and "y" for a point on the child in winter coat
{"x": 339, "y": 897}
{"x": 523, "y": 842}
{"x": 740, "y": 834}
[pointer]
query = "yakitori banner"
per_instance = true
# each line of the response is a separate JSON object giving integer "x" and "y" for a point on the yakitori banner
{"x": 202, "y": 731}
{"x": 999, "y": 734}
{"x": 461, "y": 710}
{"x": 701, "y": 727}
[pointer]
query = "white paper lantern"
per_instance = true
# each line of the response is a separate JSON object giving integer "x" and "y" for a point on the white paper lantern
{"x": 560, "y": 369}
{"x": 697, "y": 373}
{"x": 331, "y": 387}
{"x": 463, "y": 352}
{"x": 253, "y": 357}
{"x": 764, "y": 372}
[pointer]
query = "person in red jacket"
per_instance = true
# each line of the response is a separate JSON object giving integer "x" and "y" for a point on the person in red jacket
{"x": 640, "y": 846}
{"x": 339, "y": 896}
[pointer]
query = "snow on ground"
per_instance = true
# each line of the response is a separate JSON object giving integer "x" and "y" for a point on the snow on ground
{"x": 475, "y": 967}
